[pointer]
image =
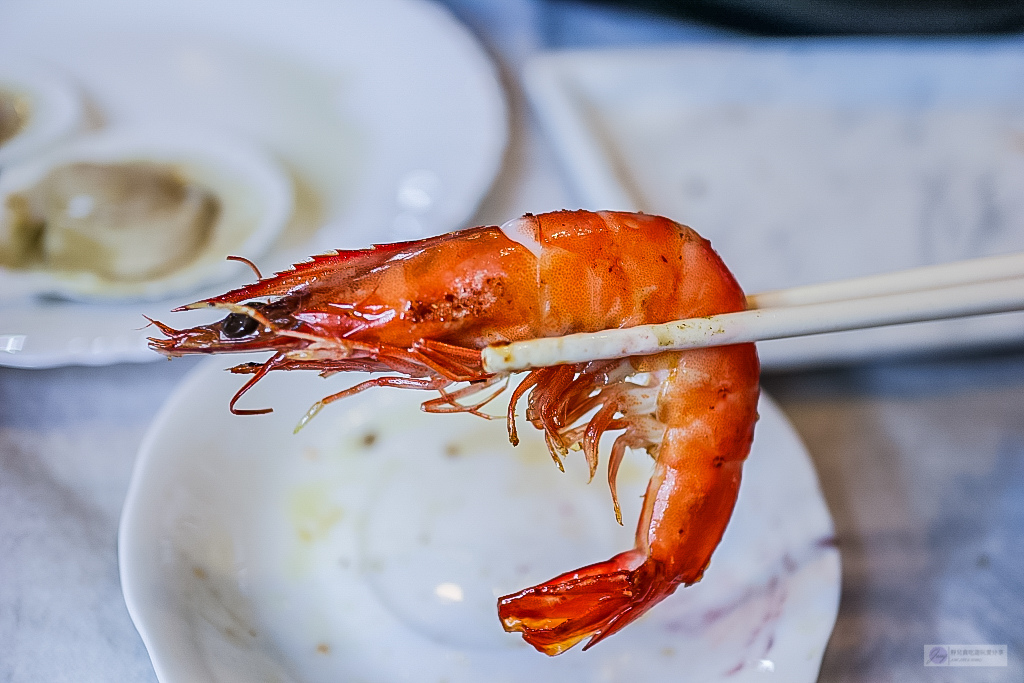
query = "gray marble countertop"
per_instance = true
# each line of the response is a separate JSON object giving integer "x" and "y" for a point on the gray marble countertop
{"x": 921, "y": 460}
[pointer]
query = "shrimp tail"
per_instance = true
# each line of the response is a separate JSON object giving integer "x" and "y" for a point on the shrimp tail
{"x": 591, "y": 602}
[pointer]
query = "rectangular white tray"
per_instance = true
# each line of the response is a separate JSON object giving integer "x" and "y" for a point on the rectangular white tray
{"x": 807, "y": 160}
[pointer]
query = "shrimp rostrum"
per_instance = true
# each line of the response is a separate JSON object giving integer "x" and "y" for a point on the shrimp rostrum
{"x": 419, "y": 313}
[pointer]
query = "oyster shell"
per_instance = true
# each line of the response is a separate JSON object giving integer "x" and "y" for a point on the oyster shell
{"x": 131, "y": 215}
{"x": 37, "y": 110}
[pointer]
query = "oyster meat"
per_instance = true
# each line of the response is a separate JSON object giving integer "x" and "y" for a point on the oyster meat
{"x": 124, "y": 221}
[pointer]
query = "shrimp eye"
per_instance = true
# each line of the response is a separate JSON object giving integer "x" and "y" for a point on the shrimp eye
{"x": 238, "y": 325}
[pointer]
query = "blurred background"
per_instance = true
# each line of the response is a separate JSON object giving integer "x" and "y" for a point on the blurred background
{"x": 856, "y": 17}
{"x": 809, "y": 140}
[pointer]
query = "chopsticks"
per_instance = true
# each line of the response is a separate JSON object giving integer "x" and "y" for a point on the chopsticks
{"x": 992, "y": 284}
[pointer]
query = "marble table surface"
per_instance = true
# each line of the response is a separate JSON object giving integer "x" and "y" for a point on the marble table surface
{"x": 921, "y": 460}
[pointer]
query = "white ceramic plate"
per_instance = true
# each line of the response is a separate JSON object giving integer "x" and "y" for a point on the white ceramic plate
{"x": 388, "y": 115}
{"x": 808, "y": 161}
{"x": 372, "y": 545}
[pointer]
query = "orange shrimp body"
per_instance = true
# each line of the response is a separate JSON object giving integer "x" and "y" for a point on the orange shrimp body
{"x": 423, "y": 310}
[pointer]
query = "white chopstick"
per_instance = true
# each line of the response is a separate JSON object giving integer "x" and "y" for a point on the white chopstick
{"x": 920, "y": 279}
{"x": 966, "y": 288}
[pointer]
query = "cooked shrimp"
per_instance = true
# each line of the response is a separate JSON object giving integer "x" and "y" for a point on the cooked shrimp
{"x": 423, "y": 310}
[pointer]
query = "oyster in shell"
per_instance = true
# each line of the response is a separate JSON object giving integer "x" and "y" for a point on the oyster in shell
{"x": 137, "y": 216}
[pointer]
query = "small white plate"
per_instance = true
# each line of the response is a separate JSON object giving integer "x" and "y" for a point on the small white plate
{"x": 373, "y": 545}
{"x": 387, "y": 114}
{"x": 254, "y": 195}
{"x": 806, "y": 161}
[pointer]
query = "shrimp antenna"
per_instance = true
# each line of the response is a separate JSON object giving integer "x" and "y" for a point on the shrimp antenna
{"x": 242, "y": 259}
